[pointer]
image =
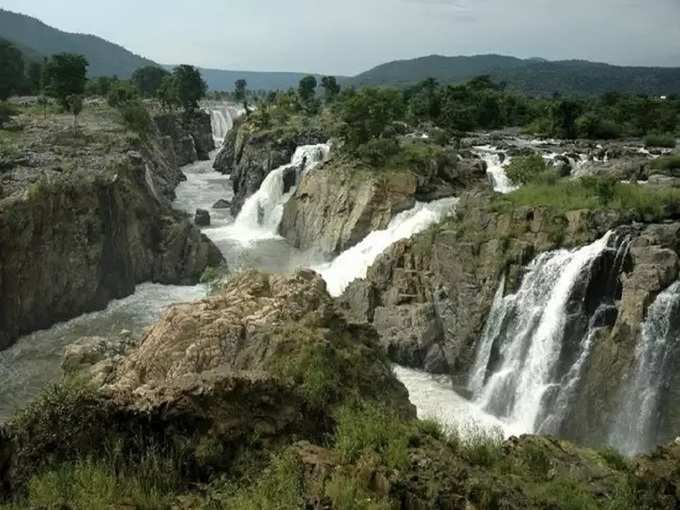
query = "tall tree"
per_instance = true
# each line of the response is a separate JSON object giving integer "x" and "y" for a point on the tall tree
{"x": 148, "y": 80}
{"x": 307, "y": 89}
{"x": 168, "y": 93}
{"x": 190, "y": 86}
{"x": 331, "y": 87}
{"x": 11, "y": 70}
{"x": 66, "y": 75}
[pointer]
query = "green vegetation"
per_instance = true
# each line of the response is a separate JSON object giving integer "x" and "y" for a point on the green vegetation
{"x": 647, "y": 203}
{"x": 149, "y": 79}
{"x": 66, "y": 76}
{"x": 666, "y": 140}
{"x": 11, "y": 70}
{"x": 526, "y": 169}
{"x": 671, "y": 162}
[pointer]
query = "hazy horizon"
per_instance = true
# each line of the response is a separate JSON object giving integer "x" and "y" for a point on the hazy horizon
{"x": 349, "y": 38}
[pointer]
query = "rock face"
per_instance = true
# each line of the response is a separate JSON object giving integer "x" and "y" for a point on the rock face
{"x": 429, "y": 296}
{"x": 97, "y": 231}
{"x": 202, "y": 218}
{"x": 339, "y": 203}
{"x": 189, "y": 135}
{"x": 335, "y": 207}
{"x": 249, "y": 155}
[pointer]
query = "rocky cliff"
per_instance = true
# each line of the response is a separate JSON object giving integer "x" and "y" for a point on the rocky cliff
{"x": 249, "y": 154}
{"x": 187, "y": 135}
{"x": 340, "y": 203}
{"x": 93, "y": 209}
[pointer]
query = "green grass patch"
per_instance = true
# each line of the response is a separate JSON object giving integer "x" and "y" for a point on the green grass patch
{"x": 670, "y": 162}
{"x": 526, "y": 169}
{"x": 666, "y": 140}
{"x": 648, "y": 203}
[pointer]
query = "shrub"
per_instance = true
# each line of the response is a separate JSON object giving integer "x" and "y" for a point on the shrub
{"x": 377, "y": 151}
{"x": 525, "y": 169}
{"x": 367, "y": 428}
{"x": 136, "y": 117}
{"x": 120, "y": 94}
{"x": 614, "y": 459}
{"x": 348, "y": 493}
{"x": 280, "y": 488}
{"x": 481, "y": 446}
{"x": 660, "y": 140}
{"x": 7, "y": 111}
{"x": 671, "y": 162}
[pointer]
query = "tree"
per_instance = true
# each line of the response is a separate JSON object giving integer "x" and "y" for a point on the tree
{"x": 66, "y": 75}
{"x": 34, "y": 76}
{"x": 241, "y": 93}
{"x": 121, "y": 92}
{"x": 366, "y": 114}
{"x": 307, "y": 89}
{"x": 75, "y": 106}
{"x": 331, "y": 87}
{"x": 168, "y": 94}
{"x": 148, "y": 80}
{"x": 190, "y": 86}
{"x": 11, "y": 70}
{"x": 101, "y": 86}
{"x": 564, "y": 115}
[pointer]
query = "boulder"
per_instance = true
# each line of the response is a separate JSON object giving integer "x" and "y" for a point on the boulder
{"x": 202, "y": 218}
{"x": 222, "y": 204}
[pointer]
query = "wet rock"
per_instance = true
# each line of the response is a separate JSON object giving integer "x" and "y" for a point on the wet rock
{"x": 188, "y": 134}
{"x": 202, "y": 218}
{"x": 222, "y": 204}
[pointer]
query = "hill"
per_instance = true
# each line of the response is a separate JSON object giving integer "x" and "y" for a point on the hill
{"x": 218, "y": 79}
{"x": 534, "y": 76}
{"x": 105, "y": 58}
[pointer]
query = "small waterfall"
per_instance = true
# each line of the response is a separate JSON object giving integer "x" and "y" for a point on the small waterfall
{"x": 150, "y": 184}
{"x": 262, "y": 211}
{"x": 222, "y": 122}
{"x": 635, "y": 427}
{"x": 529, "y": 334}
{"x": 496, "y": 169}
{"x": 353, "y": 263}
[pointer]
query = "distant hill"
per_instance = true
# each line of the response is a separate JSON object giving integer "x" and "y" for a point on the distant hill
{"x": 29, "y": 54}
{"x": 105, "y": 58}
{"x": 533, "y": 76}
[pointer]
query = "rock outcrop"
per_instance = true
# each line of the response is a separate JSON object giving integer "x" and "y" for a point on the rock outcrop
{"x": 95, "y": 213}
{"x": 249, "y": 154}
{"x": 188, "y": 135}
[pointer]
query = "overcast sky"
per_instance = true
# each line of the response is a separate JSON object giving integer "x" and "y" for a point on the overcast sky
{"x": 350, "y": 36}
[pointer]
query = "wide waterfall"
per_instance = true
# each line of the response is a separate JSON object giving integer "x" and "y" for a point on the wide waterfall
{"x": 354, "y": 262}
{"x": 536, "y": 341}
{"x": 635, "y": 426}
{"x": 261, "y": 214}
{"x": 496, "y": 164}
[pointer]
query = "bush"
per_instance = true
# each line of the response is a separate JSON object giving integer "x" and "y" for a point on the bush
{"x": 136, "y": 117}
{"x": 348, "y": 493}
{"x": 660, "y": 140}
{"x": 671, "y": 162}
{"x": 525, "y": 169}
{"x": 120, "y": 94}
{"x": 367, "y": 428}
{"x": 482, "y": 447}
{"x": 377, "y": 151}
{"x": 7, "y": 111}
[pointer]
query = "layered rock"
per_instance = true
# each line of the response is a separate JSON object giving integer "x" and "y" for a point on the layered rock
{"x": 188, "y": 135}
{"x": 249, "y": 154}
{"x": 84, "y": 224}
{"x": 340, "y": 203}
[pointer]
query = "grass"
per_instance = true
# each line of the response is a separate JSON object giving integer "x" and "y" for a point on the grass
{"x": 670, "y": 162}
{"x": 646, "y": 202}
{"x": 666, "y": 140}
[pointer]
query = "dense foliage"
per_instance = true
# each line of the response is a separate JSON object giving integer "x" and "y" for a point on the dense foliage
{"x": 148, "y": 80}
{"x": 66, "y": 75}
{"x": 11, "y": 70}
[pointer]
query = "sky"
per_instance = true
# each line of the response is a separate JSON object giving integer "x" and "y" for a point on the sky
{"x": 346, "y": 37}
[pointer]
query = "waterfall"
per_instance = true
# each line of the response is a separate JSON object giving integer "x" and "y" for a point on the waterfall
{"x": 262, "y": 211}
{"x": 353, "y": 263}
{"x": 634, "y": 429}
{"x": 529, "y": 334}
{"x": 496, "y": 168}
{"x": 222, "y": 122}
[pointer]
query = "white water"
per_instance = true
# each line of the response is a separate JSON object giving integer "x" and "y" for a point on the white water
{"x": 353, "y": 263}
{"x": 496, "y": 169}
{"x": 436, "y": 398}
{"x": 527, "y": 328}
{"x": 261, "y": 214}
{"x": 634, "y": 428}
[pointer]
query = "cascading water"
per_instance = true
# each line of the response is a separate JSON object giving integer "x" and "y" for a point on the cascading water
{"x": 222, "y": 122}
{"x": 354, "y": 262}
{"x": 496, "y": 168}
{"x": 261, "y": 214}
{"x": 635, "y": 426}
{"x": 531, "y": 333}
